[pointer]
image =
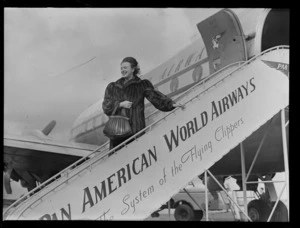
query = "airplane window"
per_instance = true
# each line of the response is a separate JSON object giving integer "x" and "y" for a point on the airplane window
{"x": 199, "y": 56}
{"x": 171, "y": 69}
{"x": 197, "y": 73}
{"x": 189, "y": 59}
{"x": 178, "y": 66}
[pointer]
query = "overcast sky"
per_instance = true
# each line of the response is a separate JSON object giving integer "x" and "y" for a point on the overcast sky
{"x": 58, "y": 61}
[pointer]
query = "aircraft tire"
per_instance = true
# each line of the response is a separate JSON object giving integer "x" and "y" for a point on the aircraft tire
{"x": 258, "y": 211}
{"x": 184, "y": 212}
{"x": 281, "y": 213}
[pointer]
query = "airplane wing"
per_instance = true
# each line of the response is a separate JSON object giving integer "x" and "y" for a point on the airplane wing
{"x": 34, "y": 159}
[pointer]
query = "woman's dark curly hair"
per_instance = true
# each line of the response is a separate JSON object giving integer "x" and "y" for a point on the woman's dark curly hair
{"x": 134, "y": 64}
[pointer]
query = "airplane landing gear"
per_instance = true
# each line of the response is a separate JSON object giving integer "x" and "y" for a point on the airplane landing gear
{"x": 260, "y": 210}
{"x": 280, "y": 213}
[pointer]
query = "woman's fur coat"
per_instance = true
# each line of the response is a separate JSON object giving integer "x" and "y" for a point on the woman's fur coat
{"x": 135, "y": 90}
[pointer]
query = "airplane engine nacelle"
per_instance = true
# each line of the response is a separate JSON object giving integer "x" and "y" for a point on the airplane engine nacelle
{"x": 41, "y": 134}
{"x": 35, "y": 133}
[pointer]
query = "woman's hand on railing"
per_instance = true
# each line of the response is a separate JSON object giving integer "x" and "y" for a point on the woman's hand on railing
{"x": 175, "y": 105}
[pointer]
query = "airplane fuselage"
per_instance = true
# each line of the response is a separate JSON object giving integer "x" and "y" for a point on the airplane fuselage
{"x": 263, "y": 29}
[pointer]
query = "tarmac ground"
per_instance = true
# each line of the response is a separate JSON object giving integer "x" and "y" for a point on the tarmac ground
{"x": 212, "y": 215}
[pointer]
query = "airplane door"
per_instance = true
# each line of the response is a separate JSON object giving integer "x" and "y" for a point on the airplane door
{"x": 223, "y": 38}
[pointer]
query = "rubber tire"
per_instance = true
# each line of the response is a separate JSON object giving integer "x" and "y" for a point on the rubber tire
{"x": 281, "y": 213}
{"x": 155, "y": 214}
{"x": 198, "y": 215}
{"x": 184, "y": 212}
{"x": 258, "y": 211}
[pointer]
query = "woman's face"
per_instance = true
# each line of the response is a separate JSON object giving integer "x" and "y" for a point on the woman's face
{"x": 126, "y": 70}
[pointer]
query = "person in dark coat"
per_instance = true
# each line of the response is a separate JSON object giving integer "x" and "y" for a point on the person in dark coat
{"x": 129, "y": 92}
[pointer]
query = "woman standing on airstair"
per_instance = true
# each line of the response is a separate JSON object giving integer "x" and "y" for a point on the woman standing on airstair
{"x": 127, "y": 94}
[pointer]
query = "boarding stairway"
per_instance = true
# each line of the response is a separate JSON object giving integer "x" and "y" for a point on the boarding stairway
{"x": 142, "y": 175}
